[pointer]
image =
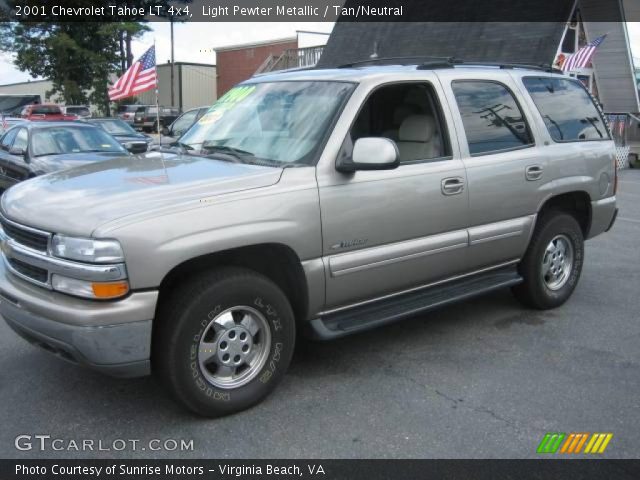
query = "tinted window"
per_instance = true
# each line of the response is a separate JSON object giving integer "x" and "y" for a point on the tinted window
{"x": 567, "y": 109}
{"x": 22, "y": 139}
{"x": 492, "y": 119}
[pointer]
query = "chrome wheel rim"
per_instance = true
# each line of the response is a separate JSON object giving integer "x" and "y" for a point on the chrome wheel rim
{"x": 557, "y": 262}
{"x": 234, "y": 347}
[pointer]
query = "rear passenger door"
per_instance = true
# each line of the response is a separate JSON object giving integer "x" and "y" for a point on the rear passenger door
{"x": 504, "y": 164}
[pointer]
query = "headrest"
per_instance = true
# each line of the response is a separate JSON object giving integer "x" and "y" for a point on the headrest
{"x": 417, "y": 128}
{"x": 401, "y": 112}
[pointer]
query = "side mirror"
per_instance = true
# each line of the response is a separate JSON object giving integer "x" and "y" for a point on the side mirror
{"x": 371, "y": 153}
{"x": 165, "y": 131}
{"x": 18, "y": 152}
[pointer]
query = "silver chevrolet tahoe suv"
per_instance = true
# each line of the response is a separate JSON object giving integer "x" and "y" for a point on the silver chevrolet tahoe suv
{"x": 319, "y": 201}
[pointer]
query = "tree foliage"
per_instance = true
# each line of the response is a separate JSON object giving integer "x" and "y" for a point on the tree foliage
{"x": 80, "y": 58}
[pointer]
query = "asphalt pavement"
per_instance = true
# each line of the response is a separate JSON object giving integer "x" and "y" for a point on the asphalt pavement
{"x": 486, "y": 378}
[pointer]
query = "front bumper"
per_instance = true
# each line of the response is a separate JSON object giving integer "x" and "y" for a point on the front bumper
{"x": 113, "y": 337}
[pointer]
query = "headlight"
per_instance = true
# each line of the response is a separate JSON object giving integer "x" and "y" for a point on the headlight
{"x": 87, "y": 249}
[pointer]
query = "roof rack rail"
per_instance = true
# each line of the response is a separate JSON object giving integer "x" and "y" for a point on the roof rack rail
{"x": 410, "y": 60}
{"x": 528, "y": 66}
{"x": 430, "y": 63}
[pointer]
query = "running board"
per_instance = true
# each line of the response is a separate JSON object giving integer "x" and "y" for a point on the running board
{"x": 389, "y": 310}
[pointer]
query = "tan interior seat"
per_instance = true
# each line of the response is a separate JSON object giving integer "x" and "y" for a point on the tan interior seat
{"x": 416, "y": 138}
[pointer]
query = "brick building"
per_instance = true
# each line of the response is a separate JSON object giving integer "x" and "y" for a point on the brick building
{"x": 239, "y": 62}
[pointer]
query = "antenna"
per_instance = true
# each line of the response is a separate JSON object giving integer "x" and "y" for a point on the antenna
{"x": 374, "y": 55}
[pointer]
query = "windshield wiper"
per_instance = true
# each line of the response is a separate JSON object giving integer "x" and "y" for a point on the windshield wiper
{"x": 184, "y": 146}
{"x": 226, "y": 149}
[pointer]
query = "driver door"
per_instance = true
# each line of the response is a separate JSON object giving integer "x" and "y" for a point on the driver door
{"x": 387, "y": 231}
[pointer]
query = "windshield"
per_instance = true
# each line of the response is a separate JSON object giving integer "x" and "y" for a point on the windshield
{"x": 78, "y": 110}
{"x": 45, "y": 109}
{"x": 278, "y": 122}
{"x": 116, "y": 127}
{"x": 59, "y": 140}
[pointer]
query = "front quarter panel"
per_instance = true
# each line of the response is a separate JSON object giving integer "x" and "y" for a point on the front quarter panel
{"x": 286, "y": 213}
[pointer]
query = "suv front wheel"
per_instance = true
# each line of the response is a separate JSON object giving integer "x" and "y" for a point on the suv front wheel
{"x": 553, "y": 262}
{"x": 224, "y": 341}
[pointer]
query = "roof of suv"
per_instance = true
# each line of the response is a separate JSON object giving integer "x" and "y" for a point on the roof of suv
{"x": 357, "y": 73}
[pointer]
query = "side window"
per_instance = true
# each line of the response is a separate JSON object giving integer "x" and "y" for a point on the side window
{"x": 184, "y": 122}
{"x": 567, "y": 109}
{"x": 409, "y": 115}
{"x": 491, "y": 117}
{"x": 7, "y": 140}
{"x": 22, "y": 139}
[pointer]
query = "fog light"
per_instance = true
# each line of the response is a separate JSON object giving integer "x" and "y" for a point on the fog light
{"x": 82, "y": 288}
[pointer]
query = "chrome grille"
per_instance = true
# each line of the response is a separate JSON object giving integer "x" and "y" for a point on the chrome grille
{"x": 35, "y": 273}
{"x": 25, "y": 236}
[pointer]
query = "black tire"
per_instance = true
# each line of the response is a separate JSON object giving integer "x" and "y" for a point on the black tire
{"x": 182, "y": 321}
{"x": 535, "y": 292}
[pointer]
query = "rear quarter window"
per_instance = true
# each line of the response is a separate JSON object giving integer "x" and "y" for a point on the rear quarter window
{"x": 567, "y": 109}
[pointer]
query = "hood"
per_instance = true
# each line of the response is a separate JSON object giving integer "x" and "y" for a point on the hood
{"x": 130, "y": 137}
{"x": 53, "y": 163}
{"x": 79, "y": 200}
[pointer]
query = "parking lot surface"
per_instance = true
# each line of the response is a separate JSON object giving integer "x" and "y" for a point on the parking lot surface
{"x": 486, "y": 378}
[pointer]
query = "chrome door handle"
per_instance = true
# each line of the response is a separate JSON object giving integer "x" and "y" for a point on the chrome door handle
{"x": 533, "y": 172}
{"x": 452, "y": 185}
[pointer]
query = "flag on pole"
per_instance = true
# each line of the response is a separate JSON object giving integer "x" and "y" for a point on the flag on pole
{"x": 140, "y": 77}
{"x": 582, "y": 57}
{"x": 5, "y": 124}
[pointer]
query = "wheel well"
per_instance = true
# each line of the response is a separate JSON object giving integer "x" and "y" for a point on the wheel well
{"x": 577, "y": 204}
{"x": 277, "y": 262}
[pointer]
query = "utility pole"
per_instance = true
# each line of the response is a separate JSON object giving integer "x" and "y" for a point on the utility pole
{"x": 173, "y": 103}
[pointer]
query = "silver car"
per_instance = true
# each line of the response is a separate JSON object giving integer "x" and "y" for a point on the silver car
{"x": 322, "y": 201}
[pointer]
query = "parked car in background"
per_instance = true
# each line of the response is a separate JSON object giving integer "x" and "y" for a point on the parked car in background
{"x": 127, "y": 112}
{"x": 31, "y": 149}
{"x": 46, "y": 112}
{"x": 133, "y": 141}
{"x": 81, "y": 111}
{"x": 146, "y": 119}
{"x": 180, "y": 125}
{"x": 7, "y": 122}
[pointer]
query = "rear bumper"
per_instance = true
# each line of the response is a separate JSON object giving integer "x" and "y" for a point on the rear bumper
{"x": 603, "y": 214}
{"x": 113, "y": 337}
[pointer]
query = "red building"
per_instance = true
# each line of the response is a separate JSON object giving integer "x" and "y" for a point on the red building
{"x": 239, "y": 62}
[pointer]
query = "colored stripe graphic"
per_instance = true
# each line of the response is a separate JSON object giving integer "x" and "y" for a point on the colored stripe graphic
{"x": 574, "y": 442}
{"x": 551, "y": 442}
{"x": 598, "y": 443}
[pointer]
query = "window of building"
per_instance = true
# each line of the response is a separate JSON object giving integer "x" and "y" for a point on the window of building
{"x": 491, "y": 117}
{"x": 567, "y": 109}
{"x": 406, "y": 113}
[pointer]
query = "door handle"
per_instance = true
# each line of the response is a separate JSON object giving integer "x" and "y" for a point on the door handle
{"x": 452, "y": 185}
{"x": 533, "y": 172}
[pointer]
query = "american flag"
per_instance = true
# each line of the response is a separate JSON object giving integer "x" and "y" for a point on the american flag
{"x": 5, "y": 124}
{"x": 140, "y": 77}
{"x": 582, "y": 57}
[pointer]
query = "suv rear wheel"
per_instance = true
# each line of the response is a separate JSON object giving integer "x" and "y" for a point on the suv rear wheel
{"x": 224, "y": 341}
{"x": 552, "y": 264}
